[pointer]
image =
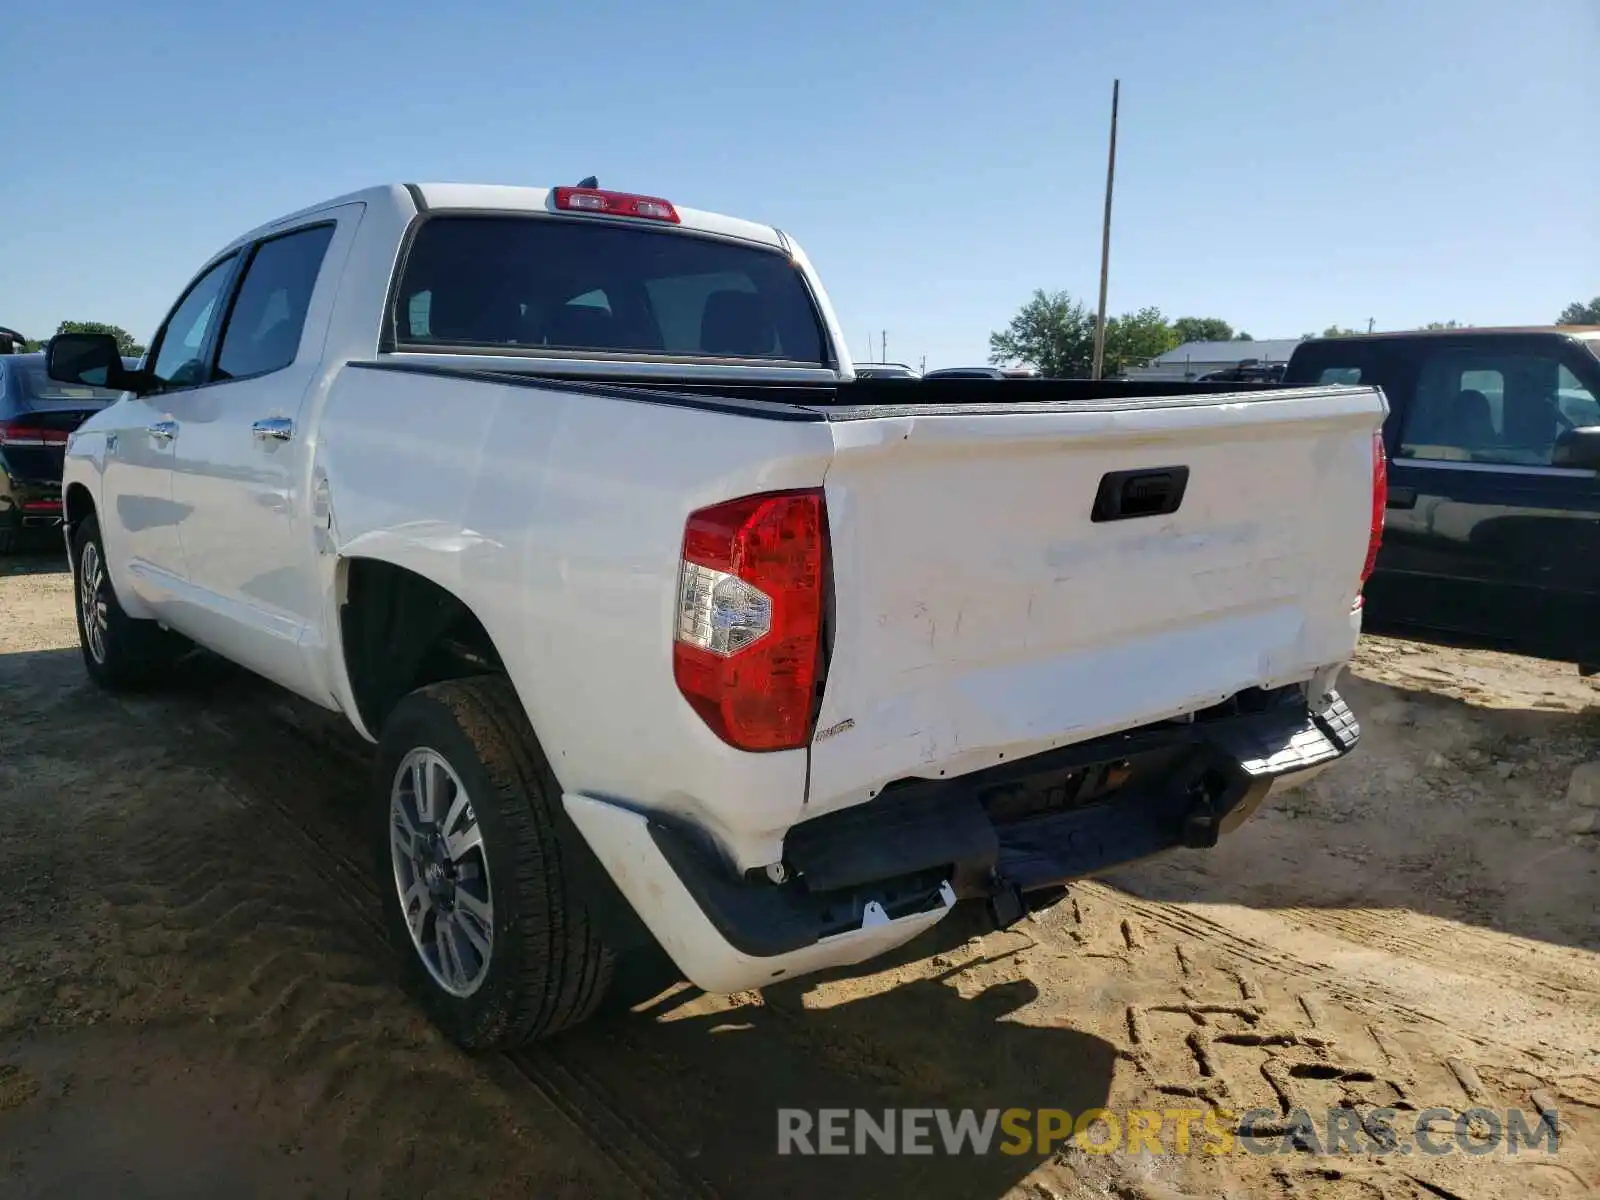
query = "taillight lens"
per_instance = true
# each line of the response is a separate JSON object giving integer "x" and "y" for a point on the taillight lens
{"x": 615, "y": 204}
{"x": 1380, "y": 503}
{"x": 19, "y": 433}
{"x": 750, "y": 598}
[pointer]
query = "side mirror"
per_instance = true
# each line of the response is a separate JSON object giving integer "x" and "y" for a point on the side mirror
{"x": 1578, "y": 448}
{"x": 93, "y": 359}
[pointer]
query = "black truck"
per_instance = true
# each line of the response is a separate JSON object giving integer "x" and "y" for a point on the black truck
{"x": 1492, "y": 532}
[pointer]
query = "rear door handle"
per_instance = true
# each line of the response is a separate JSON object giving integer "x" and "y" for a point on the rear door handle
{"x": 273, "y": 429}
{"x": 163, "y": 431}
{"x": 1402, "y": 497}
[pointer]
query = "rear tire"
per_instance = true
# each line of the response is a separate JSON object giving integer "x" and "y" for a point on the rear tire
{"x": 119, "y": 652}
{"x": 497, "y": 942}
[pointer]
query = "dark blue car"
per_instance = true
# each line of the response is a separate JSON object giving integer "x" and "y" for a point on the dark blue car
{"x": 36, "y": 415}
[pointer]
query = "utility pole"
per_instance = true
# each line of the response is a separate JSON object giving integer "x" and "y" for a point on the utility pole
{"x": 1370, "y": 321}
{"x": 1105, "y": 238}
{"x": 883, "y": 345}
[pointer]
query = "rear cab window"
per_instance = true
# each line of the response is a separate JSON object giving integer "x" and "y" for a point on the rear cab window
{"x": 1343, "y": 376}
{"x": 585, "y": 288}
{"x": 32, "y": 384}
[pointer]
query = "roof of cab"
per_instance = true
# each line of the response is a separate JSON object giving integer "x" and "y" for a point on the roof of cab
{"x": 537, "y": 199}
{"x": 1585, "y": 332}
{"x": 488, "y": 197}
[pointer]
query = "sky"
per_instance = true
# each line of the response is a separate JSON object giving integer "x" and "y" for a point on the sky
{"x": 1282, "y": 166}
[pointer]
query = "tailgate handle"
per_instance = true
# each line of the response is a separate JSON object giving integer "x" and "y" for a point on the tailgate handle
{"x": 1152, "y": 492}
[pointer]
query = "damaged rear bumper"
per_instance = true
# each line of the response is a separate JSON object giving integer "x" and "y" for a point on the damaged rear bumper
{"x": 863, "y": 880}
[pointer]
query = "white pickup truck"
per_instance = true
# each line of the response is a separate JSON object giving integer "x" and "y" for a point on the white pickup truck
{"x": 665, "y": 625}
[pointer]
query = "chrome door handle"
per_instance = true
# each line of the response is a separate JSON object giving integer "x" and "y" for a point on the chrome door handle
{"x": 163, "y": 431}
{"x": 276, "y": 429}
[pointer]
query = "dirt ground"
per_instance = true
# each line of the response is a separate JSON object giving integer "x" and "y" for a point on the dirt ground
{"x": 194, "y": 1000}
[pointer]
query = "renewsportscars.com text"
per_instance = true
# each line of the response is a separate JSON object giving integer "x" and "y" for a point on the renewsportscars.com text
{"x": 1430, "y": 1133}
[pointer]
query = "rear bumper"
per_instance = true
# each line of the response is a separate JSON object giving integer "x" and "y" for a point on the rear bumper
{"x": 28, "y": 503}
{"x": 863, "y": 880}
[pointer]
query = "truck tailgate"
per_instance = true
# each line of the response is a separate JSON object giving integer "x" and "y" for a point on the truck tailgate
{"x": 982, "y": 612}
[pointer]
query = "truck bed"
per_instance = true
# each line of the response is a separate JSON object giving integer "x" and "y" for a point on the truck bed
{"x": 1021, "y": 564}
{"x": 847, "y": 401}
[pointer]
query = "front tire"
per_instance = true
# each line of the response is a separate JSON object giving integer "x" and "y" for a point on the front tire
{"x": 119, "y": 652}
{"x": 497, "y": 943}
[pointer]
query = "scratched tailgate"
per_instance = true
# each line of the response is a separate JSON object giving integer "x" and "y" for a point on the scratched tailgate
{"x": 1012, "y": 579}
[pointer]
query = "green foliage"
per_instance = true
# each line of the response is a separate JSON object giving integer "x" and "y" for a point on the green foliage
{"x": 125, "y": 342}
{"x": 1052, "y": 333}
{"x": 1134, "y": 338}
{"x": 1201, "y": 329}
{"x": 1580, "y": 314}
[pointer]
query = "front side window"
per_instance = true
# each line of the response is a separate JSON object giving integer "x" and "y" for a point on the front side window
{"x": 571, "y": 286}
{"x": 263, "y": 332}
{"x": 179, "y": 361}
{"x": 1483, "y": 406}
{"x": 1577, "y": 403}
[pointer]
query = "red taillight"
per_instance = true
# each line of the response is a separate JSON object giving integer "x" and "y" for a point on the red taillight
{"x": 1380, "y": 502}
{"x": 20, "y": 433}
{"x": 749, "y": 628}
{"x": 615, "y": 204}
{"x": 43, "y": 506}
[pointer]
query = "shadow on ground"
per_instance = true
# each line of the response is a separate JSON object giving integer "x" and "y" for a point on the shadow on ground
{"x": 35, "y": 560}
{"x": 703, "y": 1078}
{"x": 1445, "y": 809}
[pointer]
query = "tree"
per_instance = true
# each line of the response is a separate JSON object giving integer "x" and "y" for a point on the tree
{"x": 1202, "y": 329}
{"x": 1242, "y": 336}
{"x": 1052, "y": 333}
{"x": 1446, "y": 325}
{"x": 125, "y": 342}
{"x": 1580, "y": 314}
{"x": 1336, "y": 331}
{"x": 1134, "y": 338}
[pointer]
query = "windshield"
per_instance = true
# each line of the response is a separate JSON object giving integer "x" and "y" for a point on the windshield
{"x": 35, "y": 384}
{"x": 576, "y": 287}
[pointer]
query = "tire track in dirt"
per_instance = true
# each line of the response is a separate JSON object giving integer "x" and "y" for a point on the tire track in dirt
{"x": 1302, "y": 1041}
{"x": 1373, "y": 993}
{"x": 291, "y": 890}
{"x": 694, "y": 1099}
{"x": 281, "y": 762}
{"x": 1488, "y": 957}
{"x": 1223, "y": 1031}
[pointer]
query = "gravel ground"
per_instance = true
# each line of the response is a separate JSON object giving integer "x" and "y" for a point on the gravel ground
{"x": 194, "y": 1000}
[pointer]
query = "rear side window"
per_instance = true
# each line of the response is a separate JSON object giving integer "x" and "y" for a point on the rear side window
{"x": 263, "y": 332}
{"x": 573, "y": 286}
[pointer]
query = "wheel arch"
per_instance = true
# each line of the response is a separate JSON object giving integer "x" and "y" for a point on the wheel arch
{"x": 77, "y": 502}
{"x": 400, "y": 630}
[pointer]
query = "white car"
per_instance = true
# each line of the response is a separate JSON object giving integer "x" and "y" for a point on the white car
{"x": 665, "y": 626}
